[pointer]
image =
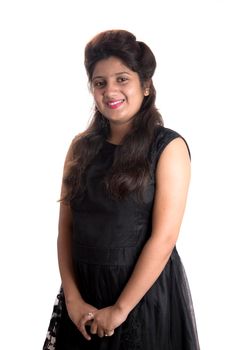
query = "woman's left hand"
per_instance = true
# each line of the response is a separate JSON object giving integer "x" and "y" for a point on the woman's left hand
{"x": 106, "y": 320}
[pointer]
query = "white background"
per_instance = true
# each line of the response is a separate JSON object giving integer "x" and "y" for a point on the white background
{"x": 45, "y": 102}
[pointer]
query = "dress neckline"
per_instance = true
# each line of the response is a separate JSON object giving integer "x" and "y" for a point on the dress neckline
{"x": 112, "y": 144}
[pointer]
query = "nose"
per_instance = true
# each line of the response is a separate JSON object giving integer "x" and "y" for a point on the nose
{"x": 110, "y": 89}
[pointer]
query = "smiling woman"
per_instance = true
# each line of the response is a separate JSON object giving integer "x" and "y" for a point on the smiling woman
{"x": 115, "y": 87}
{"x": 123, "y": 197}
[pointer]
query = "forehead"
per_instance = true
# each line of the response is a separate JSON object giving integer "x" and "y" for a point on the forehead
{"x": 110, "y": 66}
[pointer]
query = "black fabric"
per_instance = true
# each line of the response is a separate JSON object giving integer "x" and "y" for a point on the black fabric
{"x": 108, "y": 236}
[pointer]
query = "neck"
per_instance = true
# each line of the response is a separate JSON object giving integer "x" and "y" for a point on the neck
{"x": 117, "y": 132}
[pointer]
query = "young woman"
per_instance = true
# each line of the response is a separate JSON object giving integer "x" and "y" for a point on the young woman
{"x": 123, "y": 197}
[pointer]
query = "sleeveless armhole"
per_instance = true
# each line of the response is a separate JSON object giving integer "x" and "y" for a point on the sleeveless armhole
{"x": 163, "y": 137}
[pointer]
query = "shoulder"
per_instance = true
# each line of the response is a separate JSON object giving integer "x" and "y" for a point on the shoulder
{"x": 162, "y": 138}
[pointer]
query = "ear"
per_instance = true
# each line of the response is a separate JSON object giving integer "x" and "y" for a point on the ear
{"x": 146, "y": 88}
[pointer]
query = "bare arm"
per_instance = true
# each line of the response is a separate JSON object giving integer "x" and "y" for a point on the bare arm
{"x": 76, "y": 306}
{"x": 172, "y": 181}
{"x": 64, "y": 253}
{"x": 64, "y": 244}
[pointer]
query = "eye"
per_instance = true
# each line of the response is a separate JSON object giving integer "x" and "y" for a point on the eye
{"x": 122, "y": 79}
{"x": 99, "y": 84}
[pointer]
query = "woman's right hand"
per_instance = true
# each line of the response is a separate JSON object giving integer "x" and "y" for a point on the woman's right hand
{"x": 81, "y": 315}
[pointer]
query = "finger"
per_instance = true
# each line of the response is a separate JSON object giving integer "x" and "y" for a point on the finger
{"x": 83, "y": 322}
{"x": 100, "y": 333}
{"x": 83, "y": 331}
{"x": 93, "y": 328}
{"x": 87, "y": 319}
{"x": 89, "y": 316}
{"x": 109, "y": 333}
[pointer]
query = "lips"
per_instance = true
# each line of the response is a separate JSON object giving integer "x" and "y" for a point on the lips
{"x": 113, "y": 104}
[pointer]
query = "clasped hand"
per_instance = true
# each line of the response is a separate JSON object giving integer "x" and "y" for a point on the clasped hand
{"x": 102, "y": 322}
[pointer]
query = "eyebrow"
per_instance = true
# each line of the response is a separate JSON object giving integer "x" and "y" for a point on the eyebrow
{"x": 119, "y": 73}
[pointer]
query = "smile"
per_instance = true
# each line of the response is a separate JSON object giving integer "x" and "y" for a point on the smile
{"x": 115, "y": 104}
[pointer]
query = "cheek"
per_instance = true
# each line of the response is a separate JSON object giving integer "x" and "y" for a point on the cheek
{"x": 136, "y": 97}
{"x": 97, "y": 98}
{"x": 135, "y": 92}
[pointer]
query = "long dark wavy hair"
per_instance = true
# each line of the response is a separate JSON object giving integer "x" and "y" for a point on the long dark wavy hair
{"x": 130, "y": 170}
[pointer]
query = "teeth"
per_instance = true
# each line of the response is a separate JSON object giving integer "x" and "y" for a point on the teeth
{"x": 115, "y": 103}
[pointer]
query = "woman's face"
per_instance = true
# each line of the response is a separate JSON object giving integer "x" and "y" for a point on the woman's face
{"x": 117, "y": 90}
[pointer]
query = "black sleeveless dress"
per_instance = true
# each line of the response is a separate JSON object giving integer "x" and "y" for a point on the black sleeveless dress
{"x": 108, "y": 236}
